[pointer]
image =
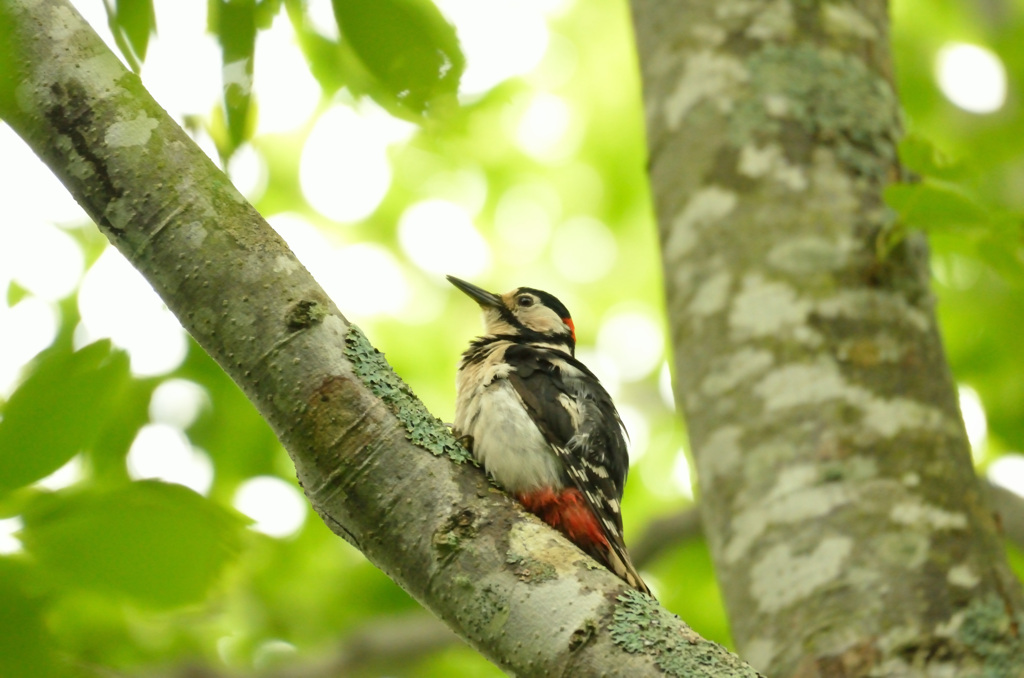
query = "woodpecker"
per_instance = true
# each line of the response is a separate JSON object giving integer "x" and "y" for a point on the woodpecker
{"x": 541, "y": 424}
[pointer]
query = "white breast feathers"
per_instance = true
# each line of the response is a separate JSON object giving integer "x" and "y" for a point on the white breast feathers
{"x": 505, "y": 440}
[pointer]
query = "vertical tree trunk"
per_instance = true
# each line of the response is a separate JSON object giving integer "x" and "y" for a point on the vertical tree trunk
{"x": 847, "y": 527}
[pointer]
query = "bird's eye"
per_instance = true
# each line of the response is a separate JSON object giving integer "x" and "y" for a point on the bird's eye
{"x": 525, "y": 300}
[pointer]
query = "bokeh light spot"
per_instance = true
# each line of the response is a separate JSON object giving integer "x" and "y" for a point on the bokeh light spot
{"x": 277, "y": 507}
{"x": 1008, "y": 471}
{"x": 604, "y": 367}
{"x": 321, "y": 18}
{"x": 42, "y": 258}
{"x": 364, "y": 279}
{"x": 344, "y": 171}
{"x": 31, "y": 194}
{"x": 634, "y": 342}
{"x": 164, "y": 452}
{"x": 272, "y": 653}
{"x": 9, "y": 543}
{"x": 248, "y": 172}
{"x": 523, "y": 221}
{"x": 466, "y": 186}
{"x": 500, "y": 39}
{"x": 178, "y": 49}
{"x": 560, "y": 64}
{"x": 66, "y": 476}
{"x": 971, "y": 77}
{"x": 439, "y": 237}
{"x": 177, "y": 402}
{"x": 638, "y": 429}
{"x": 25, "y": 329}
{"x": 286, "y": 91}
{"x": 547, "y": 130}
{"x": 583, "y": 249}
{"x": 370, "y": 281}
{"x": 115, "y": 301}
{"x": 665, "y": 387}
{"x": 974, "y": 420}
{"x": 682, "y": 478}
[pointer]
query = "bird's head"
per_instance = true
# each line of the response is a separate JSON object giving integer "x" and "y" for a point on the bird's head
{"x": 526, "y": 312}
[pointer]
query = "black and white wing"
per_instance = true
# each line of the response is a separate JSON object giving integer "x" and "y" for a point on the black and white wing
{"x": 578, "y": 419}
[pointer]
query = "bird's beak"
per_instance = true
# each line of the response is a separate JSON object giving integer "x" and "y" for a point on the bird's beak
{"x": 481, "y": 296}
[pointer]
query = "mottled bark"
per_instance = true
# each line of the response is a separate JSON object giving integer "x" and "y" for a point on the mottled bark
{"x": 847, "y": 527}
{"x": 361, "y": 442}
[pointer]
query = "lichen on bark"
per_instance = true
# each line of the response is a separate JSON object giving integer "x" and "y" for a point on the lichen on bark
{"x": 422, "y": 428}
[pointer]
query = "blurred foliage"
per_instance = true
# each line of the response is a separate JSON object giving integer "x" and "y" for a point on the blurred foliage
{"x": 408, "y": 46}
{"x": 59, "y": 407}
{"x": 121, "y": 575}
{"x": 128, "y": 541}
{"x": 973, "y": 167}
{"x": 131, "y": 22}
{"x": 234, "y": 23}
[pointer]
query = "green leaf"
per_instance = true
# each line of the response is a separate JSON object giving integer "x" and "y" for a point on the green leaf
{"x": 156, "y": 543}
{"x": 921, "y": 156}
{"x": 407, "y": 45}
{"x": 989, "y": 234}
{"x": 15, "y": 293}
{"x": 26, "y": 648}
{"x": 234, "y": 22}
{"x": 947, "y": 201}
{"x": 138, "y": 21}
{"x": 333, "y": 64}
{"x": 58, "y": 411}
{"x": 935, "y": 205}
{"x": 266, "y": 10}
{"x": 132, "y": 22}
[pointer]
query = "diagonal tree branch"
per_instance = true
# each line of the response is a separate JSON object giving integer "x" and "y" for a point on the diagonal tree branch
{"x": 514, "y": 589}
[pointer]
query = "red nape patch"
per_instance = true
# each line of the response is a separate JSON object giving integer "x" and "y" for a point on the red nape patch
{"x": 572, "y": 327}
{"x": 567, "y": 512}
